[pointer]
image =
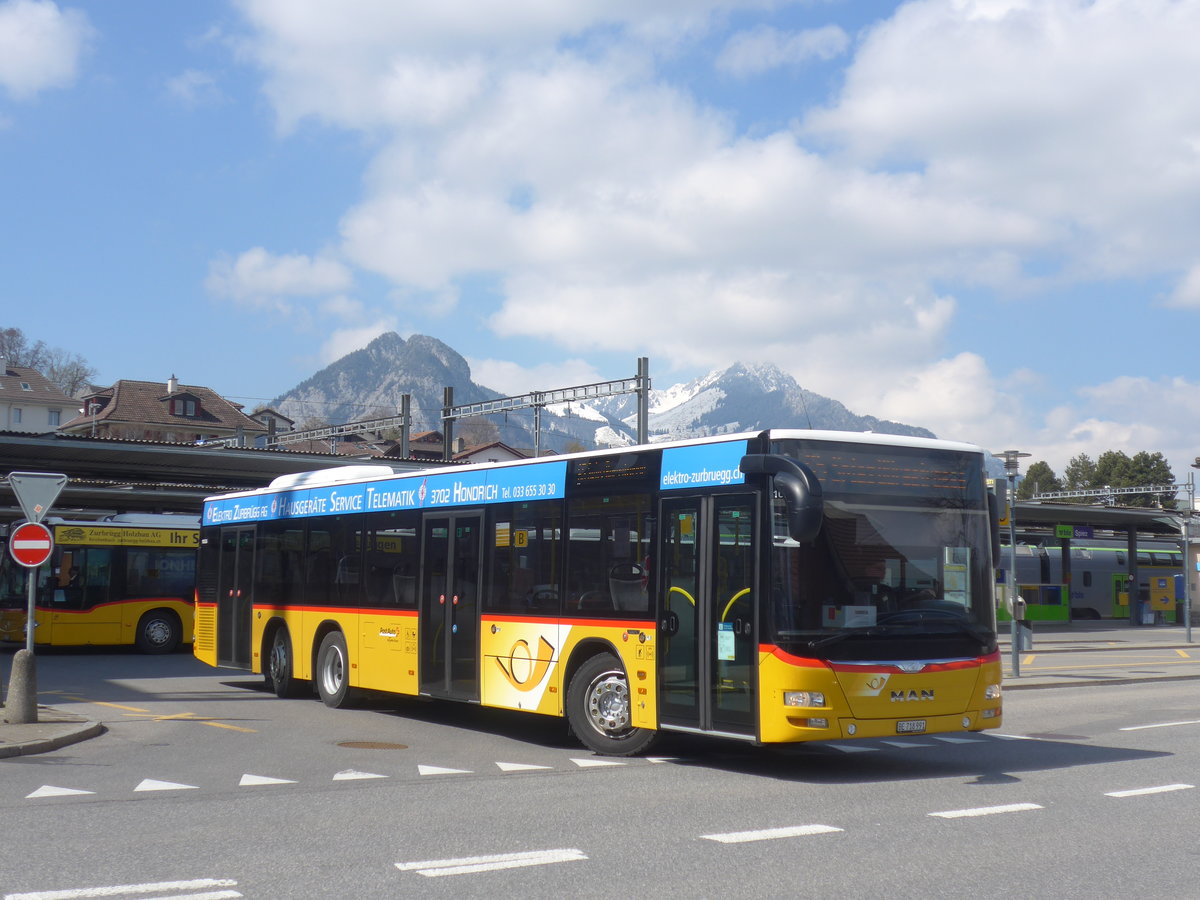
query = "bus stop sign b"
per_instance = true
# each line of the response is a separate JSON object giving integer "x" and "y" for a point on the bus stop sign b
{"x": 36, "y": 491}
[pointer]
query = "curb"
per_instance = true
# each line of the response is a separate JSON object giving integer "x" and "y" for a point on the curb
{"x": 1030, "y": 684}
{"x": 82, "y": 732}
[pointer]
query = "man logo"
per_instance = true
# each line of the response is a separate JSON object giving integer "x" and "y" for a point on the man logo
{"x": 525, "y": 671}
{"x": 906, "y": 696}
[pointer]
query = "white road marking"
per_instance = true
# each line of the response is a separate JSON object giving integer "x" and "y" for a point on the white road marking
{"x": 852, "y": 748}
{"x": 985, "y": 811}
{"x": 951, "y": 739}
{"x": 905, "y": 745}
{"x": 438, "y": 770}
{"x": 249, "y": 780}
{"x": 1161, "y": 725}
{"x": 353, "y": 775}
{"x": 432, "y": 868}
{"x": 1161, "y": 789}
{"x": 518, "y": 767}
{"x": 1014, "y": 737}
{"x": 149, "y": 784}
{"x": 49, "y": 790}
{"x": 770, "y": 834}
{"x": 124, "y": 890}
{"x": 594, "y": 763}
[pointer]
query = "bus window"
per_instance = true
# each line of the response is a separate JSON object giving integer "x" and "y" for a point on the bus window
{"x": 525, "y": 545}
{"x": 609, "y": 541}
{"x": 393, "y": 558}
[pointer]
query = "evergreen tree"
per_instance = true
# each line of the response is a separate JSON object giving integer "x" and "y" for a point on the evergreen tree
{"x": 1039, "y": 479}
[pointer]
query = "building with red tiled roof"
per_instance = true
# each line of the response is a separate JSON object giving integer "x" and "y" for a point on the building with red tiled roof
{"x": 154, "y": 411}
{"x": 31, "y": 402}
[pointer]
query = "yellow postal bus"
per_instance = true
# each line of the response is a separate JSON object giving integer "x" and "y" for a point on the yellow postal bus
{"x": 768, "y": 587}
{"x": 128, "y": 580}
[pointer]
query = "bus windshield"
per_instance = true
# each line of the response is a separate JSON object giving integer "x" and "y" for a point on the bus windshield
{"x": 898, "y": 571}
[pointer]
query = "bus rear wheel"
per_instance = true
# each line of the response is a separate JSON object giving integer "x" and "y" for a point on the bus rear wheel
{"x": 600, "y": 710}
{"x": 279, "y": 672}
{"x": 158, "y": 631}
{"x": 333, "y": 671}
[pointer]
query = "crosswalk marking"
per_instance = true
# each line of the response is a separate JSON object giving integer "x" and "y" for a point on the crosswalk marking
{"x": 985, "y": 811}
{"x": 470, "y": 865}
{"x": 770, "y": 834}
{"x": 1161, "y": 789}
{"x": 162, "y": 888}
{"x": 852, "y": 748}
{"x": 596, "y": 763}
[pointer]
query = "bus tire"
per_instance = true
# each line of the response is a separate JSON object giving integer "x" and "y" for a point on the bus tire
{"x": 279, "y": 671}
{"x": 158, "y": 631}
{"x": 333, "y": 671}
{"x": 600, "y": 709}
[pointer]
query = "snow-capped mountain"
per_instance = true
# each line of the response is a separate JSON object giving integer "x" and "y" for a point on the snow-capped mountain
{"x": 368, "y": 383}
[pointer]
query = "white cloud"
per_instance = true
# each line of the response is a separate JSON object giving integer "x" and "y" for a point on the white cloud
{"x": 1187, "y": 292}
{"x": 40, "y": 46}
{"x": 974, "y": 141}
{"x": 764, "y": 48}
{"x": 347, "y": 340}
{"x": 513, "y": 379}
{"x": 194, "y": 88}
{"x": 259, "y": 278}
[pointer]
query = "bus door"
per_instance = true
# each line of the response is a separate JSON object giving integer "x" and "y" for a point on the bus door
{"x": 235, "y": 596}
{"x": 451, "y": 562}
{"x": 707, "y": 644}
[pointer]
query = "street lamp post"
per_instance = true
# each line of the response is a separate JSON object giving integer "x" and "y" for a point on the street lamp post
{"x": 1012, "y": 466}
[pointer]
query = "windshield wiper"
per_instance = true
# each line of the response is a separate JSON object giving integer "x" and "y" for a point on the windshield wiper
{"x": 868, "y": 631}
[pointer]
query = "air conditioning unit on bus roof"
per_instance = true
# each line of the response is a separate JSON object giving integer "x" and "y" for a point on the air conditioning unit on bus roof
{"x": 337, "y": 475}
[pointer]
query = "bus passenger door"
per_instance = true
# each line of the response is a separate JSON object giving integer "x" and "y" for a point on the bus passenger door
{"x": 235, "y": 596}
{"x": 451, "y": 559}
{"x": 707, "y": 644}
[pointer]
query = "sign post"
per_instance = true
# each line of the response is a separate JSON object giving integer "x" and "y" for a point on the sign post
{"x": 30, "y": 545}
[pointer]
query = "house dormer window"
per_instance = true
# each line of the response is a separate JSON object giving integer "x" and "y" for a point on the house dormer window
{"x": 184, "y": 406}
{"x": 26, "y": 386}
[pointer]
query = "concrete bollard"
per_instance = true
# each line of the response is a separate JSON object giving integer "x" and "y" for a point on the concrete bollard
{"x": 21, "y": 705}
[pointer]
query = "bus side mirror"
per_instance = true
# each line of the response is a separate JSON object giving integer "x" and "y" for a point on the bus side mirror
{"x": 800, "y": 489}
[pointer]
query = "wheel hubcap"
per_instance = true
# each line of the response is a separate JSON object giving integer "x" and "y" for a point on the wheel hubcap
{"x": 608, "y": 704}
{"x": 333, "y": 672}
{"x": 158, "y": 632}
{"x": 278, "y": 660}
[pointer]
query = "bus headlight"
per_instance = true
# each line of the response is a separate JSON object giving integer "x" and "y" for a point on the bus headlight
{"x": 803, "y": 698}
{"x": 992, "y": 692}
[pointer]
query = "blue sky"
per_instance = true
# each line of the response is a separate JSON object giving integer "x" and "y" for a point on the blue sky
{"x": 979, "y": 216}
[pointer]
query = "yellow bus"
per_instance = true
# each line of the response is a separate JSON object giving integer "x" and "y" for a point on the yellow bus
{"x": 127, "y": 580}
{"x": 768, "y": 587}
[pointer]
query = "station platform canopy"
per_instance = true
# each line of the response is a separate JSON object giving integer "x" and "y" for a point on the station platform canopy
{"x": 1113, "y": 518}
{"x": 111, "y": 476}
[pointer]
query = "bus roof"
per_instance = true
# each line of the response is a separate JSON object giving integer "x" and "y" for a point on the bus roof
{"x": 368, "y": 472}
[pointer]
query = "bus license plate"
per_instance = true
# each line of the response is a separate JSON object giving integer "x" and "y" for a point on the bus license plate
{"x": 911, "y": 726}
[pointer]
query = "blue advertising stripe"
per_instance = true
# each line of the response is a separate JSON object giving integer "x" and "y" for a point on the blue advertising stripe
{"x": 544, "y": 481}
{"x": 703, "y": 465}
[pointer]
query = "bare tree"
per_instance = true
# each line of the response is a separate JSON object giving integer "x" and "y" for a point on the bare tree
{"x": 69, "y": 371}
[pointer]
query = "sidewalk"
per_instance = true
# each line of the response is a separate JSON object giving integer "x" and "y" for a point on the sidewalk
{"x": 1068, "y": 641}
{"x": 52, "y": 730}
{"x": 55, "y": 729}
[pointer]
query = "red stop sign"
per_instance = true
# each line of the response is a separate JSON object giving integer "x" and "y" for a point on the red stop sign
{"x": 30, "y": 544}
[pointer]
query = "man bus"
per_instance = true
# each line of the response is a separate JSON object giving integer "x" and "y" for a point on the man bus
{"x": 770, "y": 587}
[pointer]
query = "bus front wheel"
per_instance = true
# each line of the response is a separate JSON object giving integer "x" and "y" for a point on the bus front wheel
{"x": 279, "y": 671}
{"x": 158, "y": 631}
{"x": 600, "y": 710}
{"x": 333, "y": 671}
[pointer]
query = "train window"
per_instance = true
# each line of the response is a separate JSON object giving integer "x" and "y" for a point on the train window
{"x": 1087, "y": 579}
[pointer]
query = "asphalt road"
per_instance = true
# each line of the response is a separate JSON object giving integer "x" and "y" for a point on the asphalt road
{"x": 204, "y": 786}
